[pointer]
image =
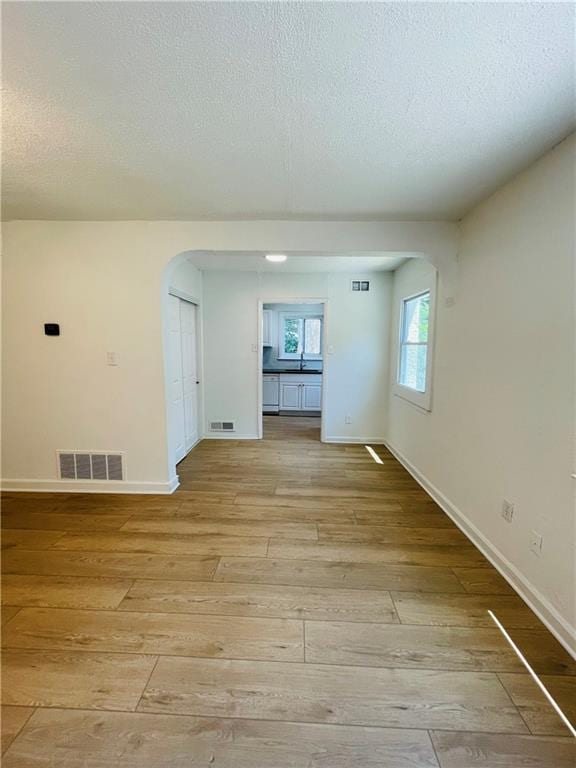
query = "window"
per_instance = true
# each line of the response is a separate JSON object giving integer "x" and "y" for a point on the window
{"x": 414, "y": 342}
{"x": 414, "y": 351}
{"x": 300, "y": 334}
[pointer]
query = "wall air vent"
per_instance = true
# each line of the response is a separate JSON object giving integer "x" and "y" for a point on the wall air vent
{"x": 77, "y": 465}
{"x": 221, "y": 426}
{"x": 360, "y": 285}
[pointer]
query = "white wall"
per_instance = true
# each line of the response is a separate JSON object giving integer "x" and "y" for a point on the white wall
{"x": 356, "y": 373}
{"x": 102, "y": 285}
{"x": 105, "y": 282}
{"x": 185, "y": 277}
{"x": 502, "y": 418}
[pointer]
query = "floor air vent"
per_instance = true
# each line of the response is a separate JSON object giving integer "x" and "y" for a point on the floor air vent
{"x": 222, "y": 426}
{"x": 75, "y": 465}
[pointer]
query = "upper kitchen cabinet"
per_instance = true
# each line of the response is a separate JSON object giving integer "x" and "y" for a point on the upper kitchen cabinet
{"x": 267, "y": 328}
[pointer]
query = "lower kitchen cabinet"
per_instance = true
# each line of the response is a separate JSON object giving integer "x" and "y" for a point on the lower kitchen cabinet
{"x": 311, "y": 397}
{"x": 290, "y": 395}
{"x": 300, "y": 392}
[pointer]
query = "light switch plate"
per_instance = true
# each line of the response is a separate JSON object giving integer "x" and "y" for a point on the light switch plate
{"x": 536, "y": 543}
{"x": 507, "y": 510}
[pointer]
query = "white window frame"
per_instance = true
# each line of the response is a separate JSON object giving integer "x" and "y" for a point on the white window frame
{"x": 283, "y": 316}
{"x": 421, "y": 399}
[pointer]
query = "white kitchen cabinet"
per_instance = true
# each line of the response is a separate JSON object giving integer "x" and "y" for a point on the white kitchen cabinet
{"x": 300, "y": 392}
{"x": 311, "y": 397}
{"x": 290, "y": 396}
{"x": 267, "y": 328}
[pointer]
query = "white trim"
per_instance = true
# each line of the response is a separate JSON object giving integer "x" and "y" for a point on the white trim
{"x": 189, "y": 450}
{"x": 184, "y": 296}
{"x": 546, "y": 612}
{"x": 89, "y": 486}
{"x": 228, "y": 436}
{"x": 354, "y": 440}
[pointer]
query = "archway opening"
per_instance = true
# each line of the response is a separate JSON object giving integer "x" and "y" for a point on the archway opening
{"x": 213, "y": 305}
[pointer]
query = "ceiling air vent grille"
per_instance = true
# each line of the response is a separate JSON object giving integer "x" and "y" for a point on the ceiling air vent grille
{"x": 77, "y": 465}
{"x": 222, "y": 426}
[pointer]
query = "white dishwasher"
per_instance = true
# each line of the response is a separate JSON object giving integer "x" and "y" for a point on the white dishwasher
{"x": 270, "y": 392}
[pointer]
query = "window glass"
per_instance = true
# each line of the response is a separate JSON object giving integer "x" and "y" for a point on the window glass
{"x": 312, "y": 335}
{"x": 413, "y": 367}
{"x": 416, "y": 314}
{"x": 414, "y": 342}
{"x": 301, "y": 335}
{"x": 291, "y": 335}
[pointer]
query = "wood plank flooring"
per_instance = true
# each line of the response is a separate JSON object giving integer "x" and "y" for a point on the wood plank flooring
{"x": 292, "y": 605}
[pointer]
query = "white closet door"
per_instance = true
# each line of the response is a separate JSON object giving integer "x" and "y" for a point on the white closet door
{"x": 189, "y": 372}
{"x": 176, "y": 393}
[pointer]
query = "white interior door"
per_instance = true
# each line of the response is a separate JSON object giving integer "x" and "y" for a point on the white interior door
{"x": 189, "y": 372}
{"x": 176, "y": 393}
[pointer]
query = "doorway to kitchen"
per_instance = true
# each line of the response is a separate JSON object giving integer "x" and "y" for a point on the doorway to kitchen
{"x": 291, "y": 366}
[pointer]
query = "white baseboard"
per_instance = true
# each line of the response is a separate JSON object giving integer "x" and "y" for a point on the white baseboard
{"x": 546, "y": 612}
{"x": 355, "y": 440}
{"x": 88, "y": 486}
{"x": 229, "y": 436}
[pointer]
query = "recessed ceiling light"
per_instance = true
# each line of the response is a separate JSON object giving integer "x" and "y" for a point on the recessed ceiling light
{"x": 277, "y": 258}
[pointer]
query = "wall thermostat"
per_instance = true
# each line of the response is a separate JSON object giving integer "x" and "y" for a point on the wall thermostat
{"x": 52, "y": 329}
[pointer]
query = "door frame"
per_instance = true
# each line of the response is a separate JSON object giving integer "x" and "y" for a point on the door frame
{"x": 183, "y": 296}
{"x": 326, "y": 353}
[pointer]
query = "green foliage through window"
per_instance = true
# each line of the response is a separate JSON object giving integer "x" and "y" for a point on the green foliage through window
{"x": 291, "y": 335}
{"x": 302, "y": 334}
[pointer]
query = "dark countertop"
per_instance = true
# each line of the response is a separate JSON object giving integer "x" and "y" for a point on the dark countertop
{"x": 289, "y": 370}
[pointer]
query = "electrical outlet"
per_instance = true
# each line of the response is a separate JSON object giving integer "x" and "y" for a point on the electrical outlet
{"x": 536, "y": 543}
{"x": 507, "y": 510}
{"x": 348, "y": 420}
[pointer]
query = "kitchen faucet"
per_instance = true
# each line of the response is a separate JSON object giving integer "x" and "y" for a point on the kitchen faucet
{"x": 302, "y": 363}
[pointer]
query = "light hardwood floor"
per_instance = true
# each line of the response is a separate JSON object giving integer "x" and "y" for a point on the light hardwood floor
{"x": 292, "y": 605}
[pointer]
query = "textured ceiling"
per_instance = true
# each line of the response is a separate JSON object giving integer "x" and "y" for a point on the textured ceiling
{"x": 277, "y": 110}
{"x": 248, "y": 261}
